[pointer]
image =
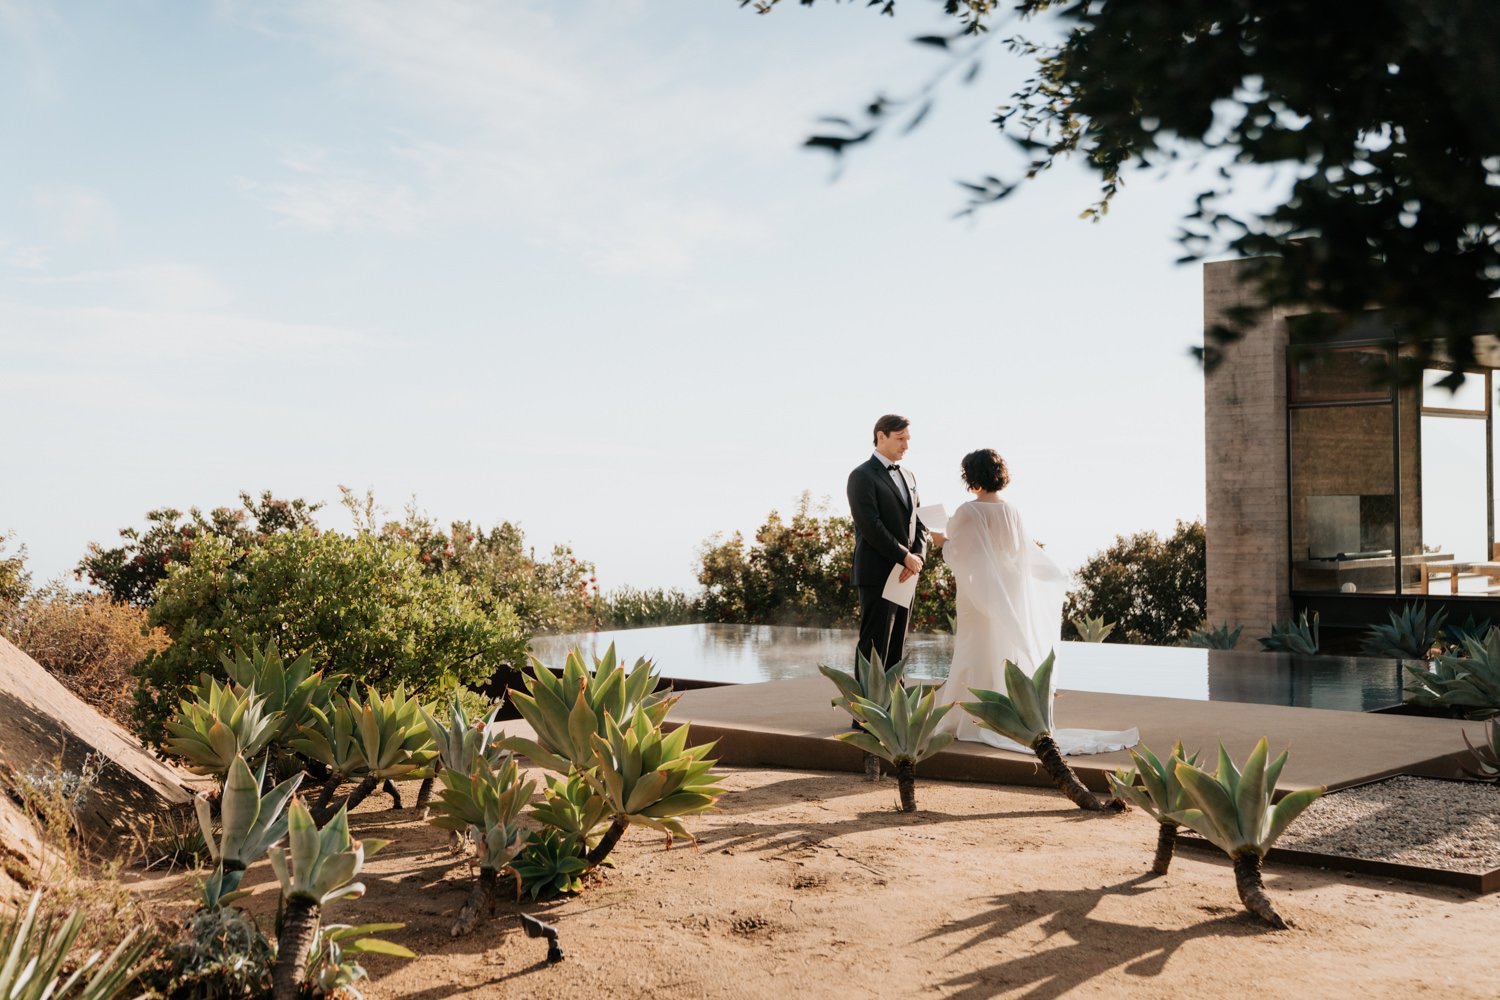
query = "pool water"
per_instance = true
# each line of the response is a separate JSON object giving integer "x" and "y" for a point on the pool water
{"x": 749, "y": 654}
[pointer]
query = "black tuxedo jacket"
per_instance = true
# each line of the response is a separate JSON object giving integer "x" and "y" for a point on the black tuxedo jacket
{"x": 882, "y": 519}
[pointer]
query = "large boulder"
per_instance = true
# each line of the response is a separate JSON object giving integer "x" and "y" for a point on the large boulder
{"x": 44, "y": 726}
{"x": 22, "y": 853}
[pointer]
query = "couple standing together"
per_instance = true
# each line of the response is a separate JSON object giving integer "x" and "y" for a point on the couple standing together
{"x": 1009, "y": 592}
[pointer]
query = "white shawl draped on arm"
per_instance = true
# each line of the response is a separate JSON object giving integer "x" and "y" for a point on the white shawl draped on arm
{"x": 1009, "y": 601}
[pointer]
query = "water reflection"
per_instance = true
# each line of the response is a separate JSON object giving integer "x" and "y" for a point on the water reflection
{"x": 747, "y": 654}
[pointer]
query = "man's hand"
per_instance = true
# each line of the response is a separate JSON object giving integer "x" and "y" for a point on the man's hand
{"x": 910, "y": 567}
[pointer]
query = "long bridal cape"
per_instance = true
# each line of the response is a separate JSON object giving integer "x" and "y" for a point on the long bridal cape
{"x": 1010, "y": 598}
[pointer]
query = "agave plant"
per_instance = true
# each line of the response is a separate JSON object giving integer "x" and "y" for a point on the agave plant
{"x": 333, "y": 965}
{"x": 871, "y": 680}
{"x": 250, "y": 823}
{"x": 1409, "y": 636}
{"x": 314, "y": 869}
{"x": 484, "y": 805}
{"x": 219, "y": 725}
{"x": 551, "y": 864}
{"x": 289, "y": 688}
{"x": 36, "y": 961}
{"x": 459, "y": 743}
{"x": 649, "y": 778}
{"x": 1092, "y": 629}
{"x": 1233, "y": 810}
{"x": 1467, "y": 679}
{"x": 379, "y": 738}
{"x": 1454, "y": 635}
{"x": 1024, "y": 714}
{"x": 1207, "y": 637}
{"x": 1153, "y": 788}
{"x": 902, "y": 731}
{"x": 1293, "y": 637}
{"x": 574, "y": 809}
{"x": 1486, "y": 757}
{"x": 329, "y": 738}
{"x": 567, "y": 712}
{"x": 218, "y": 953}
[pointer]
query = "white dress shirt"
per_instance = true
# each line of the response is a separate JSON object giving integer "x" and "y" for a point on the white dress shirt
{"x": 896, "y": 477}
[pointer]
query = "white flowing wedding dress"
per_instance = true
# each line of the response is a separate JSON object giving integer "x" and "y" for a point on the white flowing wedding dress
{"x": 1009, "y": 600}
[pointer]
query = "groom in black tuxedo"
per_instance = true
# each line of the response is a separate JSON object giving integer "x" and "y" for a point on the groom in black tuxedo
{"x": 883, "y": 500}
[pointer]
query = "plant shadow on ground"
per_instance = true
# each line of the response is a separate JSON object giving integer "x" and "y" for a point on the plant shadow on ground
{"x": 738, "y": 828}
{"x": 499, "y": 932}
{"x": 761, "y": 837}
{"x": 1092, "y": 946}
{"x": 434, "y": 882}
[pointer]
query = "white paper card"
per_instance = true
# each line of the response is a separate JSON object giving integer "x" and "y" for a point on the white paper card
{"x": 897, "y": 592}
{"x": 935, "y": 517}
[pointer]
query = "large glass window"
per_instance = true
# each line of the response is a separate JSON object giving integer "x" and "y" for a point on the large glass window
{"x": 1392, "y": 491}
{"x": 1457, "y": 473}
{"x": 1343, "y": 494}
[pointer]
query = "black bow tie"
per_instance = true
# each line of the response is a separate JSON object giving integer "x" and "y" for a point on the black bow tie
{"x": 893, "y": 468}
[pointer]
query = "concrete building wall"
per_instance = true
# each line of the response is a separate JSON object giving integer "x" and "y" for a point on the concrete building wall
{"x": 1245, "y": 437}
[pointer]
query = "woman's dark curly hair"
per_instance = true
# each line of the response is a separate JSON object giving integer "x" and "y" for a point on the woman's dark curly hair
{"x": 985, "y": 470}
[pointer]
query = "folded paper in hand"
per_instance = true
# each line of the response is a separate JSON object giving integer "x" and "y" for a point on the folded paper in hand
{"x": 897, "y": 592}
{"x": 934, "y": 517}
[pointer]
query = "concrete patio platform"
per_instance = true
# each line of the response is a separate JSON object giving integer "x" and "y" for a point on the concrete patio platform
{"x": 791, "y": 723}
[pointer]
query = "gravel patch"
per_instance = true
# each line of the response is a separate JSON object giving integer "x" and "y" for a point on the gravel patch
{"x": 1447, "y": 825}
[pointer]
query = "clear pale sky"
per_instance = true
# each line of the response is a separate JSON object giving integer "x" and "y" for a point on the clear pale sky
{"x": 562, "y": 264}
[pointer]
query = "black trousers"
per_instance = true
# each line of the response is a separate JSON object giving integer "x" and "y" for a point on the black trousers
{"x": 882, "y": 625}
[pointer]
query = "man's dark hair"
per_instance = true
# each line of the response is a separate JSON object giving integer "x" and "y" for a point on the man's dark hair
{"x": 985, "y": 470}
{"x": 890, "y": 424}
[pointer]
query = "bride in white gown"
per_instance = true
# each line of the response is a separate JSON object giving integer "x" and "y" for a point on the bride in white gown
{"x": 1009, "y": 600}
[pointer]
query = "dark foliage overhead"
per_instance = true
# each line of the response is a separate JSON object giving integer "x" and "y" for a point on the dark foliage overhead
{"x": 1386, "y": 113}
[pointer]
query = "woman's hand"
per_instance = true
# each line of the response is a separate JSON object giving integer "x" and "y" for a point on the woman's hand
{"x": 938, "y": 538}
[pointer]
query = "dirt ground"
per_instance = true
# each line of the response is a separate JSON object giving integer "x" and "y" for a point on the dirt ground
{"x": 811, "y": 884}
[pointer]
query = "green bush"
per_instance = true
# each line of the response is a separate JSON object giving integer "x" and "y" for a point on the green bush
{"x": 361, "y": 604}
{"x": 628, "y": 607}
{"x": 1155, "y": 590}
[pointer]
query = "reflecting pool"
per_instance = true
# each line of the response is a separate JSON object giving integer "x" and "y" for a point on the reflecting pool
{"x": 747, "y": 654}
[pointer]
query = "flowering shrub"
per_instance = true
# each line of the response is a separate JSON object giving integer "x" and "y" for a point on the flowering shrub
{"x": 552, "y": 594}
{"x": 797, "y": 573}
{"x": 934, "y": 609}
{"x": 794, "y": 573}
{"x": 130, "y": 572}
